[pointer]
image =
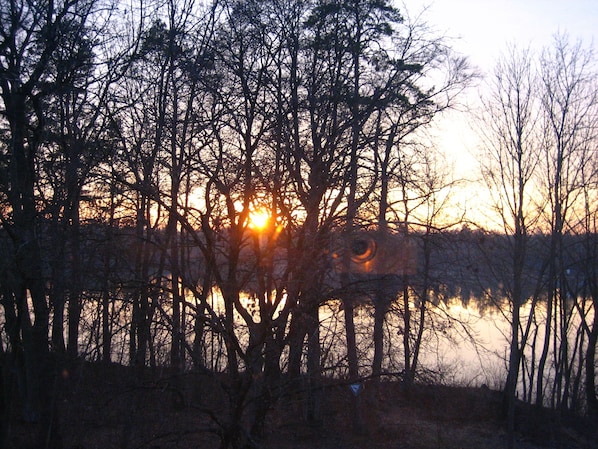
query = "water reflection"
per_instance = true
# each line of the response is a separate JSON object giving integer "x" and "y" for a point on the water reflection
{"x": 465, "y": 343}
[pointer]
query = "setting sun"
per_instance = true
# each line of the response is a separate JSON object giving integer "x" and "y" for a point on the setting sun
{"x": 259, "y": 219}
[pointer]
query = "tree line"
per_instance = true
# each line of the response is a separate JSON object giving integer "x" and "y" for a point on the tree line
{"x": 139, "y": 142}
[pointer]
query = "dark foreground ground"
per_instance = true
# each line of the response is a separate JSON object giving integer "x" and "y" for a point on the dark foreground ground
{"x": 100, "y": 407}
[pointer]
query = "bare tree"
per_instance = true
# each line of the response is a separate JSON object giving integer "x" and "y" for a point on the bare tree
{"x": 409, "y": 179}
{"x": 510, "y": 127}
{"x": 46, "y": 63}
{"x": 590, "y": 285}
{"x": 569, "y": 105}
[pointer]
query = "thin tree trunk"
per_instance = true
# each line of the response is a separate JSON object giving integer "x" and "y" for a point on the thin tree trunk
{"x": 380, "y": 309}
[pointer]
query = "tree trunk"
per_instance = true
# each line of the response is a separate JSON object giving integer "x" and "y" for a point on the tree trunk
{"x": 381, "y": 302}
{"x": 314, "y": 393}
{"x": 590, "y": 365}
{"x": 38, "y": 372}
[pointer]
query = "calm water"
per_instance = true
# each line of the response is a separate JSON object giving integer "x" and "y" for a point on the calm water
{"x": 461, "y": 344}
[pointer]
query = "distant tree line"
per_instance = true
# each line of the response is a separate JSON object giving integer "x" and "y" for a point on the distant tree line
{"x": 138, "y": 142}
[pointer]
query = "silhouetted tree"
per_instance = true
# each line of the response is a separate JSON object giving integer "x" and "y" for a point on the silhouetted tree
{"x": 569, "y": 104}
{"x": 46, "y": 63}
{"x": 511, "y": 129}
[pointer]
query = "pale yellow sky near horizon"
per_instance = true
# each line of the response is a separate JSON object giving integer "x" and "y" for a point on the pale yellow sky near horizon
{"x": 482, "y": 31}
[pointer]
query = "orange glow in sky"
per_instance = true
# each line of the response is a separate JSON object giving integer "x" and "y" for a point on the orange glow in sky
{"x": 259, "y": 219}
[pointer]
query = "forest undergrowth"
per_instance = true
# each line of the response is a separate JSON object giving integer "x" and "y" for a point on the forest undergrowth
{"x": 108, "y": 406}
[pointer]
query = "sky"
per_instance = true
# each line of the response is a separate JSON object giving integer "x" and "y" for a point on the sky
{"x": 484, "y": 27}
{"x": 482, "y": 30}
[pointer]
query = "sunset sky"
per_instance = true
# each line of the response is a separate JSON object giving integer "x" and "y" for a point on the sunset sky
{"x": 482, "y": 30}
